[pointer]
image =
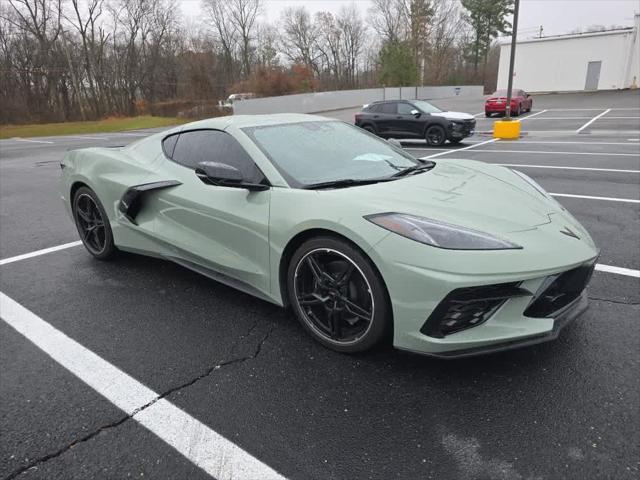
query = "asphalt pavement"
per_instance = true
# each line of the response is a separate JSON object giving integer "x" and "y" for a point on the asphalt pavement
{"x": 245, "y": 369}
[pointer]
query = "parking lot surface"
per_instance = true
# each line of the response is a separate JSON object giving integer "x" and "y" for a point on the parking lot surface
{"x": 237, "y": 367}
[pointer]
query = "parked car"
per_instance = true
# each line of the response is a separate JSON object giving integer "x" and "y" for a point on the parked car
{"x": 415, "y": 119}
{"x": 521, "y": 102}
{"x": 361, "y": 239}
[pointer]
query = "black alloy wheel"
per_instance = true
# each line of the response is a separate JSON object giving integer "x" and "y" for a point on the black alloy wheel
{"x": 93, "y": 224}
{"x": 435, "y": 135}
{"x": 337, "y": 295}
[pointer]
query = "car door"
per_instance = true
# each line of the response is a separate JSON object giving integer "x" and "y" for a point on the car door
{"x": 409, "y": 125}
{"x": 214, "y": 228}
{"x": 387, "y": 113}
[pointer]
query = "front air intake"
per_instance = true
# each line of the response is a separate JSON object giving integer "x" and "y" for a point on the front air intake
{"x": 469, "y": 307}
{"x": 558, "y": 291}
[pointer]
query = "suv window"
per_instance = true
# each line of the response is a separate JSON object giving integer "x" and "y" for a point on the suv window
{"x": 373, "y": 108}
{"x": 198, "y": 146}
{"x": 389, "y": 108}
{"x": 405, "y": 108}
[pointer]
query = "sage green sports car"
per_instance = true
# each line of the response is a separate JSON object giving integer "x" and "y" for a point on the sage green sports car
{"x": 364, "y": 242}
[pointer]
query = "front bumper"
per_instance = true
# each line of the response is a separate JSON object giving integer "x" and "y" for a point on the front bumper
{"x": 420, "y": 278}
{"x": 461, "y": 129}
{"x": 567, "y": 316}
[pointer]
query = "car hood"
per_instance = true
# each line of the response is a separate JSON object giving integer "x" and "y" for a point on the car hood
{"x": 466, "y": 193}
{"x": 454, "y": 115}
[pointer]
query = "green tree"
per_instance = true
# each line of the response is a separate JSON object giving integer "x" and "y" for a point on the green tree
{"x": 488, "y": 18}
{"x": 397, "y": 64}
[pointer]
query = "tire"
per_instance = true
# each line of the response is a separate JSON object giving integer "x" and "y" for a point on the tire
{"x": 435, "y": 135}
{"x": 516, "y": 113}
{"x": 93, "y": 225}
{"x": 487, "y": 114}
{"x": 315, "y": 275}
{"x": 530, "y": 107}
{"x": 370, "y": 129}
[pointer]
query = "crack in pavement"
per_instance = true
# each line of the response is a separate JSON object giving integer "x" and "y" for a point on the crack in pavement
{"x": 256, "y": 351}
{"x": 618, "y": 302}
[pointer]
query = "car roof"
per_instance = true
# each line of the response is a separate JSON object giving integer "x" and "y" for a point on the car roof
{"x": 241, "y": 121}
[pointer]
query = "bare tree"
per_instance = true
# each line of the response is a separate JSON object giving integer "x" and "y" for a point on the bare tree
{"x": 243, "y": 15}
{"x": 353, "y": 32}
{"x": 218, "y": 12}
{"x": 299, "y": 37}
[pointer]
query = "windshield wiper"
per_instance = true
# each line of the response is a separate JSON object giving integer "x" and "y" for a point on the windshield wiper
{"x": 344, "y": 182}
{"x": 421, "y": 167}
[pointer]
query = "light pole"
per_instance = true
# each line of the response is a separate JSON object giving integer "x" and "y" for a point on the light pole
{"x": 512, "y": 58}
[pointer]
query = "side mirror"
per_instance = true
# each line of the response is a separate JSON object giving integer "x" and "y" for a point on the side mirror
{"x": 223, "y": 175}
{"x": 415, "y": 113}
{"x": 396, "y": 143}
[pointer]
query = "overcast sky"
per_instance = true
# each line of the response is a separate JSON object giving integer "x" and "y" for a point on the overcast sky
{"x": 556, "y": 16}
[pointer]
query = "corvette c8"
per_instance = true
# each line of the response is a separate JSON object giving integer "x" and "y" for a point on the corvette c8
{"x": 362, "y": 240}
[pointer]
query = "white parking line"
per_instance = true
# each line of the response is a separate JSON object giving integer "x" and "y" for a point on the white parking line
{"x": 553, "y": 153}
{"x": 462, "y": 149}
{"x": 204, "y": 447}
{"x": 589, "y": 197}
{"x": 612, "y": 170}
{"x": 18, "y": 139}
{"x": 618, "y": 270}
{"x": 478, "y": 114}
{"x": 590, "y": 109}
{"x": 83, "y": 137}
{"x": 592, "y": 120}
{"x": 533, "y": 115}
{"x": 575, "y": 143}
{"x": 37, "y": 253}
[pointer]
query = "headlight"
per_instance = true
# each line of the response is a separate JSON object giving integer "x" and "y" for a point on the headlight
{"x": 439, "y": 234}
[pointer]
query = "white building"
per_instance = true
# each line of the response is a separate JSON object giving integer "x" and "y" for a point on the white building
{"x": 589, "y": 61}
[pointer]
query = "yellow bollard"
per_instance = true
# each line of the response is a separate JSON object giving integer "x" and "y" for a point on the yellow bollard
{"x": 506, "y": 129}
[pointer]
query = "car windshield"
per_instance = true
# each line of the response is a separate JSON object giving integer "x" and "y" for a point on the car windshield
{"x": 308, "y": 153}
{"x": 425, "y": 107}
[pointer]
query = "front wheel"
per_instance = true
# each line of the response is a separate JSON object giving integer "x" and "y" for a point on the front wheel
{"x": 338, "y": 296}
{"x": 93, "y": 224}
{"x": 435, "y": 135}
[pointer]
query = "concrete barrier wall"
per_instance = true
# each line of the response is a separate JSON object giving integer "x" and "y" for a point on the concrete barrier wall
{"x": 337, "y": 100}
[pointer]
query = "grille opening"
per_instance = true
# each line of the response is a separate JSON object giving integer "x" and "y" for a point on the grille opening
{"x": 469, "y": 307}
{"x": 559, "y": 291}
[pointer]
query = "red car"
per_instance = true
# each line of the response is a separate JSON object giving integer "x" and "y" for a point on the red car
{"x": 521, "y": 101}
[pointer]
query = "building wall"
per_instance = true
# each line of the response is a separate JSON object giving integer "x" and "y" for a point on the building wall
{"x": 337, "y": 100}
{"x": 549, "y": 65}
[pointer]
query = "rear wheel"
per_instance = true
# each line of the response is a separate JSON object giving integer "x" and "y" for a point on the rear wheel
{"x": 516, "y": 112}
{"x": 370, "y": 129}
{"x": 93, "y": 224}
{"x": 337, "y": 295}
{"x": 435, "y": 135}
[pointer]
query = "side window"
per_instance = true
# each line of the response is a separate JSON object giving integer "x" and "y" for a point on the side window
{"x": 214, "y": 146}
{"x": 405, "y": 108}
{"x": 389, "y": 108}
{"x": 169, "y": 143}
{"x": 373, "y": 108}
